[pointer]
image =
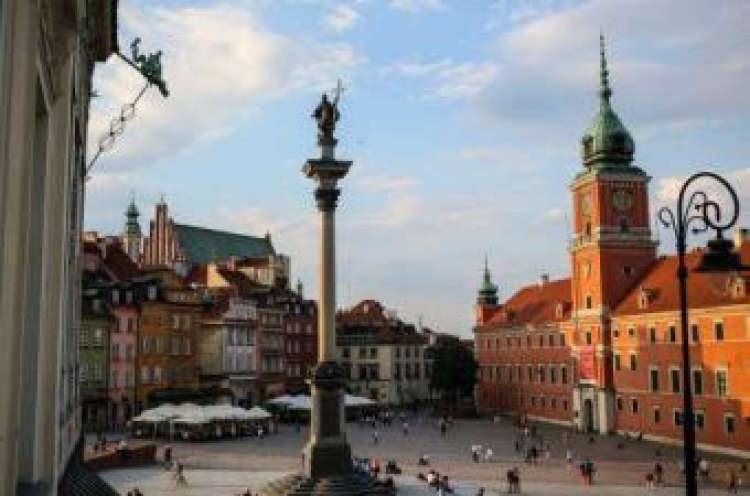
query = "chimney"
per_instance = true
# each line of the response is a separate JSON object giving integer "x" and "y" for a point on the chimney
{"x": 544, "y": 279}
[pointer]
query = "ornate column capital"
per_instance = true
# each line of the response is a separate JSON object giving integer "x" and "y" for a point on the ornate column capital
{"x": 327, "y": 198}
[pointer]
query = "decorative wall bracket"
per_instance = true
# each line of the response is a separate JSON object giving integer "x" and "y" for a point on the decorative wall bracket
{"x": 148, "y": 66}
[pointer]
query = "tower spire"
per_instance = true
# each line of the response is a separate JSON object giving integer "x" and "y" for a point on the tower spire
{"x": 487, "y": 294}
{"x": 604, "y": 90}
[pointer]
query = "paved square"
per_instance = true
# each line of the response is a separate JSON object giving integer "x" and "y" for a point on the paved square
{"x": 228, "y": 467}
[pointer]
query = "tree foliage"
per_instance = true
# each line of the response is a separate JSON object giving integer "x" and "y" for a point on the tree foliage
{"x": 454, "y": 368}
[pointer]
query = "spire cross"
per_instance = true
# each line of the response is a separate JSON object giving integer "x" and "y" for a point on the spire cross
{"x": 604, "y": 91}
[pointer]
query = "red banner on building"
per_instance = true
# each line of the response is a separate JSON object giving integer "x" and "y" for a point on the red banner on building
{"x": 586, "y": 364}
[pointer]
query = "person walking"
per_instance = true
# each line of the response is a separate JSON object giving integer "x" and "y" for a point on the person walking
{"x": 488, "y": 454}
{"x": 405, "y": 428}
{"x": 732, "y": 482}
{"x": 569, "y": 459}
{"x": 659, "y": 474}
{"x": 375, "y": 437}
{"x": 650, "y": 481}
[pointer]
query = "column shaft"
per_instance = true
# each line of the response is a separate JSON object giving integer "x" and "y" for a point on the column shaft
{"x": 327, "y": 310}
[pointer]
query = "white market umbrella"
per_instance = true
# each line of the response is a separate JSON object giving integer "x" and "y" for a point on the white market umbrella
{"x": 284, "y": 400}
{"x": 258, "y": 413}
{"x": 301, "y": 402}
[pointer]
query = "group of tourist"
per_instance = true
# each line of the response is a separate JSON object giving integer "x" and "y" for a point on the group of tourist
{"x": 434, "y": 480}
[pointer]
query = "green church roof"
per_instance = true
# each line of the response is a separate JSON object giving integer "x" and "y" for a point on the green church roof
{"x": 607, "y": 141}
{"x": 202, "y": 245}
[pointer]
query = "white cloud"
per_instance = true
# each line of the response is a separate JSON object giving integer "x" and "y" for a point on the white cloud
{"x": 383, "y": 183}
{"x": 668, "y": 63}
{"x": 340, "y": 18}
{"x": 416, "y": 5}
{"x": 449, "y": 78}
{"x": 219, "y": 62}
{"x": 553, "y": 215}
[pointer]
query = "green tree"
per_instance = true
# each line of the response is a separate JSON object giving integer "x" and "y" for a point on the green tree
{"x": 454, "y": 368}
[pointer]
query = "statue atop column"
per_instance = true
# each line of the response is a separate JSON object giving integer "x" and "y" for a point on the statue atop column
{"x": 327, "y": 114}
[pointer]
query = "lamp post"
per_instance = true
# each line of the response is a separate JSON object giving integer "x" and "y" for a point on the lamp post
{"x": 702, "y": 214}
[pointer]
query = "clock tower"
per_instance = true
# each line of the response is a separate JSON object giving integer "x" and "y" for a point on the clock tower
{"x": 610, "y": 250}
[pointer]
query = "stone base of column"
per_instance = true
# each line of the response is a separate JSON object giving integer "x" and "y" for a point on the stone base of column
{"x": 352, "y": 485}
{"x": 328, "y": 459}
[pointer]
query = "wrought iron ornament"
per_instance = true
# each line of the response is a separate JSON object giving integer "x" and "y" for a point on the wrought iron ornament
{"x": 148, "y": 66}
{"x": 700, "y": 212}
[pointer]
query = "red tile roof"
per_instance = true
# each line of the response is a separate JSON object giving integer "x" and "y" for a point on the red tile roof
{"x": 658, "y": 290}
{"x": 534, "y": 305}
{"x": 119, "y": 264}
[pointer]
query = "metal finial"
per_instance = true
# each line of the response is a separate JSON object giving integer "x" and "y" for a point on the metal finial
{"x": 487, "y": 276}
{"x": 604, "y": 91}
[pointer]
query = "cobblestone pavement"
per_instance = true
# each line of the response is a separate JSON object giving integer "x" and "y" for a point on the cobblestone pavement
{"x": 621, "y": 469}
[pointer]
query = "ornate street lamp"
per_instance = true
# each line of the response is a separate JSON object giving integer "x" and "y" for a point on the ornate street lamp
{"x": 699, "y": 215}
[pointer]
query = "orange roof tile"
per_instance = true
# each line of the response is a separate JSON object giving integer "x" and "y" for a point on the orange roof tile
{"x": 662, "y": 291}
{"x": 535, "y": 304}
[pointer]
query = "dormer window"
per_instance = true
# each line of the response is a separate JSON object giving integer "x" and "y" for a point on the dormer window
{"x": 737, "y": 287}
{"x": 115, "y": 296}
{"x": 559, "y": 310}
{"x": 587, "y": 146}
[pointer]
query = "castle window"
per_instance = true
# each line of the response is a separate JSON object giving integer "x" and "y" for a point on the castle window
{"x": 677, "y": 417}
{"x": 624, "y": 227}
{"x": 633, "y": 405}
{"x": 674, "y": 377}
{"x": 700, "y": 420}
{"x": 652, "y": 334}
{"x": 672, "y": 334}
{"x": 619, "y": 403}
{"x": 719, "y": 331}
{"x": 653, "y": 375}
{"x": 695, "y": 332}
{"x": 627, "y": 270}
{"x": 589, "y": 302}
{"x": 729, "y": 424}
{"x": 657, "y": 415}
{"x": 588, "y": 229}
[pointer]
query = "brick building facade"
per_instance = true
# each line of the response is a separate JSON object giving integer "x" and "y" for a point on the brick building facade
{"x": 600, "y": 349}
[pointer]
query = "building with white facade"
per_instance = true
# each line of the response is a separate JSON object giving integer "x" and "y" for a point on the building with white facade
{"x": 47, "y": 55}
{"x": 384, "y": 357}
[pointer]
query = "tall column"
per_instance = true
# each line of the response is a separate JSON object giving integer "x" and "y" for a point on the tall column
{"x": 326, "y": 199}
{"x": 327, "y": 454}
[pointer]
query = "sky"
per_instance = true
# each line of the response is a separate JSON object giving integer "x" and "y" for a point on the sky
{"x": 463, "y": 119}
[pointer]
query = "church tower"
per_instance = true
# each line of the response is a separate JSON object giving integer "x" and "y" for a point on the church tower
{"x": 486, "y": 297}
{"x": 131, "y": 236}
{"x": 610, "y": 250}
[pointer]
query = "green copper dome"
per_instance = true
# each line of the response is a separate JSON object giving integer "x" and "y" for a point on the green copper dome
{"x": 487, "y": 294}
{"x": 607, "y": 141}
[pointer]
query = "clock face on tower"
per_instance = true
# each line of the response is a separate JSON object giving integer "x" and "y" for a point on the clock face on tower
{"x": 586, "y": 205}
{"x": 622, "y": 200}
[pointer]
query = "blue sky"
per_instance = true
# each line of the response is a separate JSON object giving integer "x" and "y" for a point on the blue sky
{"x": 463, "y": 119}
